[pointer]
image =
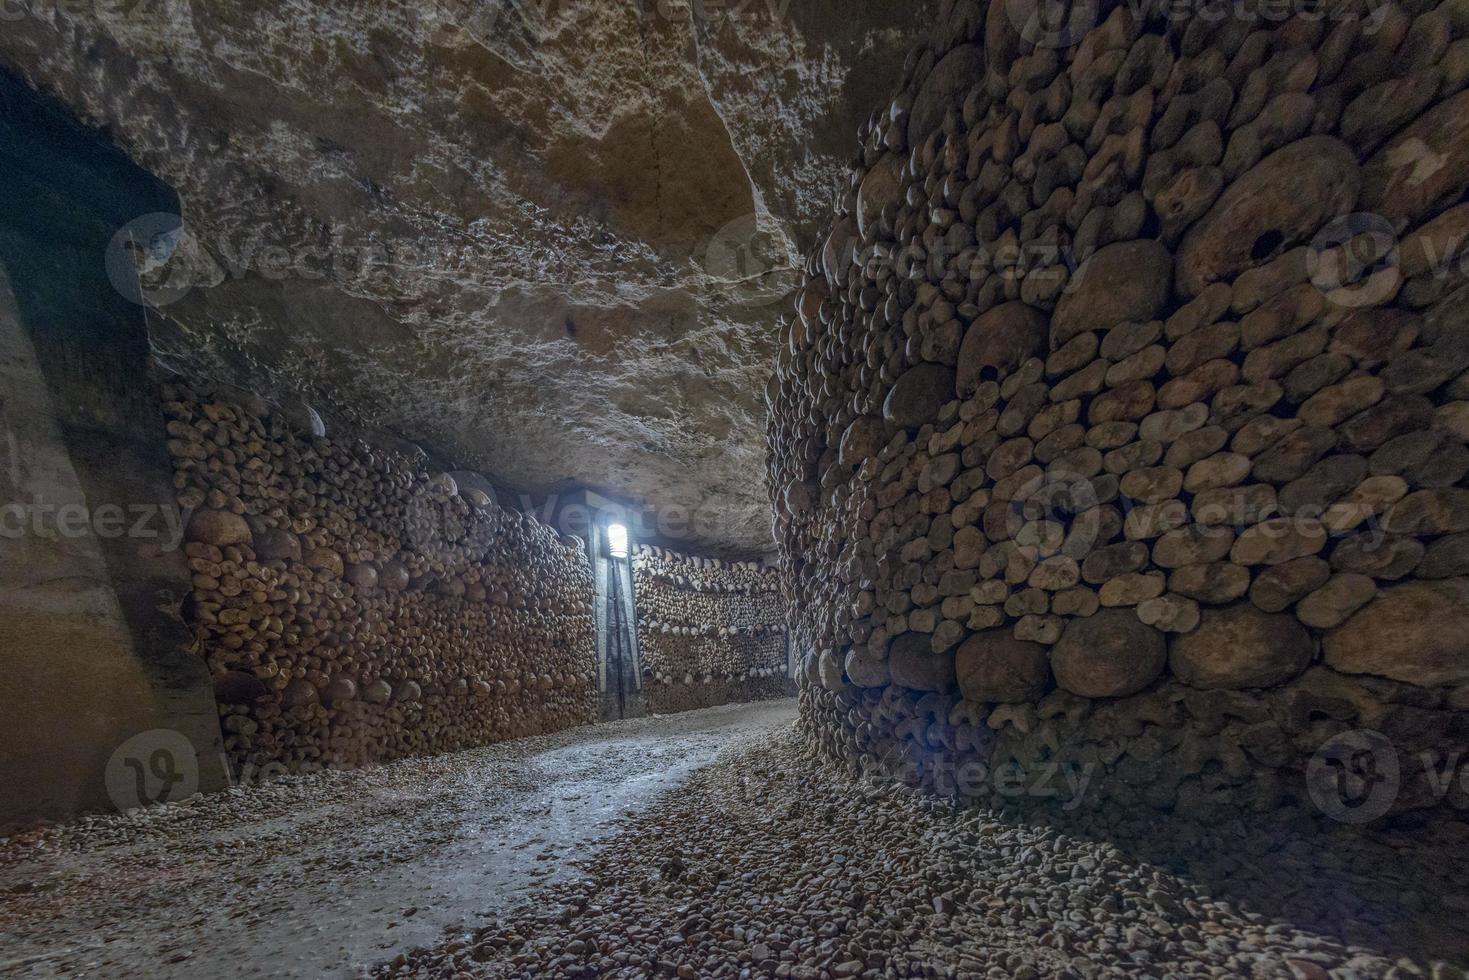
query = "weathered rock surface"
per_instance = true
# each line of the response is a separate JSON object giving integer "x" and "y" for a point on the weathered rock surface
{"x": 1416, "y": 632}
{"x": 1109, "y": 655}
{"x": 1281, "y": 201}
{"x": 1241, "y": 647}
{"x": 544, "y": 240}
{"x": 998, "y": 342}
{"x": 914, "y": 664}
{"x": 919, "y": 394}
{"x": 1126, "y": 281}
{"x": 995, "y": 666}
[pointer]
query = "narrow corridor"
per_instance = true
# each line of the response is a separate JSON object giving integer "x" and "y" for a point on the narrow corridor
{"x": 327, "y": 874}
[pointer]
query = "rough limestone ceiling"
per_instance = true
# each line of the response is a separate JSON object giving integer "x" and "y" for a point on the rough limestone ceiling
{"x": 547, "y": 239}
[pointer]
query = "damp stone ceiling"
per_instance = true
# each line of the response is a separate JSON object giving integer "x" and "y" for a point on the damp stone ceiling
{"x": 546, "y": 239}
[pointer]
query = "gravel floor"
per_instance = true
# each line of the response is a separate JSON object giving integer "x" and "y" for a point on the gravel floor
{"x": 765, "y": 865}
{"x": 324, "y": 875}
{"x": 567, "y": 856}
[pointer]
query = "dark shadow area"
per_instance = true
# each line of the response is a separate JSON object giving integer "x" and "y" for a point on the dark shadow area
{"x": 1395, "y": 888}
{"x": 81, "y": 367}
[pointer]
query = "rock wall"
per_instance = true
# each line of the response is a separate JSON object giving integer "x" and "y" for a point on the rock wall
{"x": 354, "y": 607}
{"x": 97, "y": 674}
{"x": 1122, "y": 419}
{"x": 709, "y": 631}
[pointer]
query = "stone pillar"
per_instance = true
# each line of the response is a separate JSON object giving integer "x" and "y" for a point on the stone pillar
{"x": 104, "y": 704}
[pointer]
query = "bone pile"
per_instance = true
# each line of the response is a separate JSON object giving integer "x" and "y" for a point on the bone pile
{"x": 710, "y": 631}
{"x": 1122, "y": 417}
{"x": 355, "y": 607}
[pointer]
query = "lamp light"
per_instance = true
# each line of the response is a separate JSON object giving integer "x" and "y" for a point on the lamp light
{"x": 617, "y": 540}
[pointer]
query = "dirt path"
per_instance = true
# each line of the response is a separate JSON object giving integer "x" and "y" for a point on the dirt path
{"x": 325, "y": 875}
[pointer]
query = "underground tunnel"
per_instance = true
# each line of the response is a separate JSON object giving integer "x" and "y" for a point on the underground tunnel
{"x": 542, "y": 488}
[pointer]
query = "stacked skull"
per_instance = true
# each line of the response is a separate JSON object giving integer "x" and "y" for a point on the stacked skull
{"x": 710, "y": 631}
{"x": 354, "y": 607}
{"x": 1122, "y": 417}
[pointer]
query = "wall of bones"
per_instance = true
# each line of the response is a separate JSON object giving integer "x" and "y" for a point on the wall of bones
{"x": 709, "y": 631}
{"x": 354, "y": 607}
{"x": 1122, "y": 418}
